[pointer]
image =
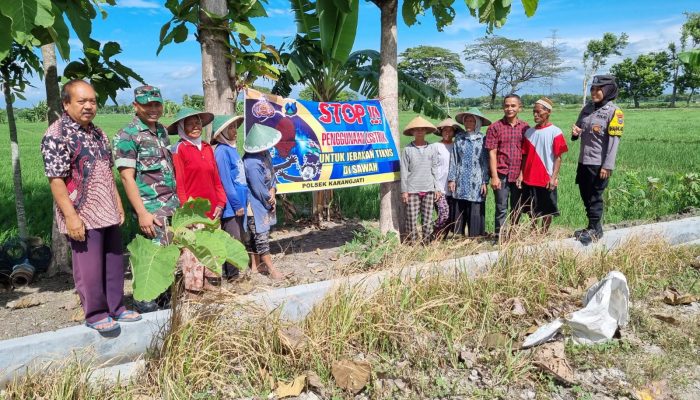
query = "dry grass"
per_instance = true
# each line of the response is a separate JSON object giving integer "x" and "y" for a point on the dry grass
{"x": 229, "y": 351}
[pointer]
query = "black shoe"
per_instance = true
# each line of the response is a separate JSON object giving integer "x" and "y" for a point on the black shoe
{"x": 145, "y": 306}
{"x": 578, "y": 233}
{"x": 589, "y": 236}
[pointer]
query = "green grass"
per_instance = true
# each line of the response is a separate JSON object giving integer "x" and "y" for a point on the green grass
{"x": 661, "y": 143}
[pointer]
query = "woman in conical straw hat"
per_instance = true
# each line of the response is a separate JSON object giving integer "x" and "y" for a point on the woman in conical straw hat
{"x": 419, "y": 179}
{"x": 262, "y": 184}
{"x": 232, "y": 176}
{"x": 196, "y": 173}
{"x": 468, "y": 174}
{"x": 446, "y": 129}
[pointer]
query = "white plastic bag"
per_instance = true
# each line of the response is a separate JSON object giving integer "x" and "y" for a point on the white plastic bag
{"x": 606, "y": 307}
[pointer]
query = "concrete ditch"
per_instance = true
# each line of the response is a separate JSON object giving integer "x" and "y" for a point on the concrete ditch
{"x": 121, "y": 356}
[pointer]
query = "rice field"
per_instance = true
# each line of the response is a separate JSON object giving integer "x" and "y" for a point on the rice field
{"x": 658, "y": 143}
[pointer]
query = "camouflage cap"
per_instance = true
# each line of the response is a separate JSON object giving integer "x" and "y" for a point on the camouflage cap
{"x": 146, "y": 94}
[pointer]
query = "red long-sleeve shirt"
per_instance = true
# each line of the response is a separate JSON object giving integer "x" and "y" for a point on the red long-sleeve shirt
{"x": 196, "y": 174}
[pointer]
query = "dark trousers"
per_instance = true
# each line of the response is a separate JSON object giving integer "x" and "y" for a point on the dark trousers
{"x": 98, "y": 272}
{"x": 591, "y": 188}
{"x": 234, "y": 227}
{"x": 507, "y": 191}
{"x": 470, "y": 217}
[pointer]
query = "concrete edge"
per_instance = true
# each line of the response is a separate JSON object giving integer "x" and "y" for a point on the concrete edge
{"x": 19, "y": 355}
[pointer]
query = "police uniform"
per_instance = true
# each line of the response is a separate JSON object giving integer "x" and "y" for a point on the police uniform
{"x": 602, "y": 126}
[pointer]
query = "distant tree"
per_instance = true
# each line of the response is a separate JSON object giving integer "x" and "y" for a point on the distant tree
{"x": 533, "y": 61}
{"x": 308, "y": 94}
{"x": 644, "y": 77}
{"x": 170, "y": 108}
{"x": 433, "y": 65}
{"x": 493, "y": 52}
{"x": 195, "y": 101}
{"x": 597, "y": 54}
{"x": 511, "y": 63}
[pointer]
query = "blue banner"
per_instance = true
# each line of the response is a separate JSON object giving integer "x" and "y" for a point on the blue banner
{"x": 325, "y": 145}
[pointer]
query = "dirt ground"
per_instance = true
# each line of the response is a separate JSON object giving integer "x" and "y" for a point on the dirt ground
{"x": 309, "y": 254}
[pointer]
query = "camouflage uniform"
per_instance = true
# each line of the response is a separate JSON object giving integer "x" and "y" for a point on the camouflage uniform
{"x": 136, "y": 146}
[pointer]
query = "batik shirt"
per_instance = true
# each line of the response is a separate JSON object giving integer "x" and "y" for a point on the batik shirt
{"x": 82, "y": 157}
{"x": 469, "y": 166}
{"x": 148, "y": 152}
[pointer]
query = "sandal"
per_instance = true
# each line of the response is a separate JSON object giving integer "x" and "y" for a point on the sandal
{"x": 108, "y": 323}
{"x": 128, "y": 316}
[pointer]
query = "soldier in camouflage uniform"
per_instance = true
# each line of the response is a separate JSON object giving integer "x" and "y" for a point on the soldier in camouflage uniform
{"x": 142, "y": 155}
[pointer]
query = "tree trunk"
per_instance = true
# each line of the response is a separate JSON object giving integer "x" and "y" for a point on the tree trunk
{"x": 636, "y": 102}
{"x": 60, "y": 250}
{"x": 53, "y": 94}
{"x": 674, "y": 92}
{"x": 690, "y": 97}
{"x": 494, "y": 93}
{"x": 585, "y": 92}
{"x": 218, "y": 93}
{"x": 16, "y": 167}
{"x": 390, "y": 210}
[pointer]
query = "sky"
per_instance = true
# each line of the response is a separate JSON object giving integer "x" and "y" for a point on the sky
{"x": 651, "y": 26}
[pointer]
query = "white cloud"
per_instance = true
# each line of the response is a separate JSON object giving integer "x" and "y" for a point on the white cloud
{"x": 463, "y": 23}
{"x": 137, "y": 4}
{"x": 183, "y": 72}
{"x": 278, "y": 11}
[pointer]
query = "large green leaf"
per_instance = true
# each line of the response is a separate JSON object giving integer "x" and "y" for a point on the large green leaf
{"x": 5, "y": 36}
{"x": 690, "y": 58}
{"x": 61, "y": 36}
{"x": 210, "y": 249}
{"x": 111, "y": 49}
{"x": 80, "y": 20}
{"x": 337, "y": 29}
{"x": 530, "y": 7}
{"x": 306, "y": 18}
{"x": 26, "y": 15}
{"x": 153, "y": 267}
{"x": 236, "y": 252}
{"x": 193, "y": 212}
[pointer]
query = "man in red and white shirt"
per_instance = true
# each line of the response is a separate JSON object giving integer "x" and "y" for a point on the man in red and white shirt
{"x": 543, "y": 147}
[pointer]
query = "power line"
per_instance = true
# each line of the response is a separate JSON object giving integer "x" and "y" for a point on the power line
{"x": 554, "y": 49}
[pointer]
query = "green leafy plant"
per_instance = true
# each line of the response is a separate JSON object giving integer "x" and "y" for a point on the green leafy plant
{"x": 154, "y": 266}
{"x": 370, "y": 247}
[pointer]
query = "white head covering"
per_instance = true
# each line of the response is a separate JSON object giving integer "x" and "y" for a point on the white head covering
{"x": 223, "y": 138}
{"x": 477, "y": 127}
{"x": 181, "y": 131}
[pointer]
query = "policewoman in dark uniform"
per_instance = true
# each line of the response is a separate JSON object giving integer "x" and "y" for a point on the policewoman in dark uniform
{"x": 599, "y": 126}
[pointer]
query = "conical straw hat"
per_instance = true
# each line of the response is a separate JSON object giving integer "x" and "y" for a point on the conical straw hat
{"x": 419, "y": 123}
{"x": 222, "y": 122}
{"x": 261, "y": 138}
{"x": 475, "y": 112}
{"x": 185, "y": 112}
{"x": 445, "y": 123}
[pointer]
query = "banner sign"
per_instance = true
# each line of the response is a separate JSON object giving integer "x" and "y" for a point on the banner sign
{"x": 325, "y": 145}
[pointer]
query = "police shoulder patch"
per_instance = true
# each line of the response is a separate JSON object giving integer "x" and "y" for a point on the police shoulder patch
{"x": 617, "y": 123}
